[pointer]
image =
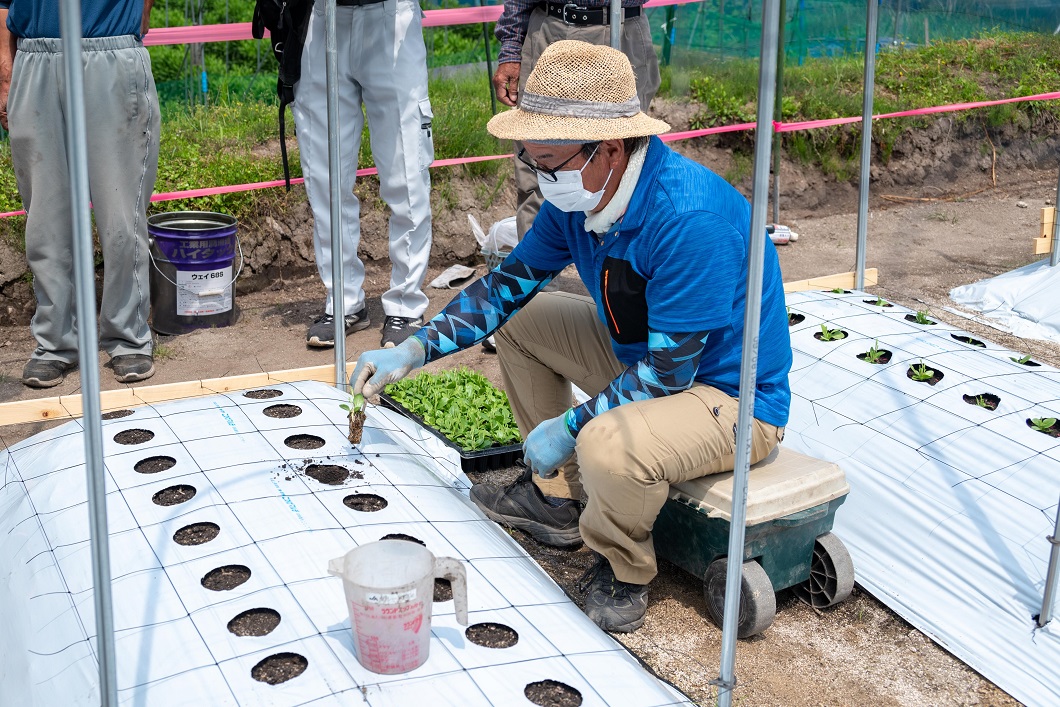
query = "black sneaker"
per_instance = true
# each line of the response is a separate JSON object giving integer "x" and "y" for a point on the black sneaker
{"x": 612, "y": 604}
{"x": 522, "y": 505}
{"x": 44, "y": 373}
{"x": 397, "y": 329}
{"x": 321, "y": 332}
{"x": 130, "y": 368}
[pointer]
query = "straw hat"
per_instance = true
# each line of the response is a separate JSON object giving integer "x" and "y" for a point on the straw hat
{"x": 577, "y": 92}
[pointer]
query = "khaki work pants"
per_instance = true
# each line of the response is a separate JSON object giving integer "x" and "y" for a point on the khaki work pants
{"x": 625, "y": 459}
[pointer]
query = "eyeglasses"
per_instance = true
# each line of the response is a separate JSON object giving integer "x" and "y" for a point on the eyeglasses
{"x": 550, "y": 174}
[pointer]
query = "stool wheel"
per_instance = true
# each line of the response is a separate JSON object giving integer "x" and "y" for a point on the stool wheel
{"x": 831, "y": 574}
{"x": 758, "y": 603}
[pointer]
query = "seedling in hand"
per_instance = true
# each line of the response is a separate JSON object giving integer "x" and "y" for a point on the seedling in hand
{"x": 831, "y": 334}
{"x": 921, "y": 372}
{"x": 1043, "y": 424}
{"x": 355, "y": 412}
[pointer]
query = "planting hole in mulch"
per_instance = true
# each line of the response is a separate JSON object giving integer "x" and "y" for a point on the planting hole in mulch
{"x": 173, "y": 495}
{"x": 255, "y": 622}
{"x": 936, "y": 374}
{"x": 116, "y": 414}
{"x": 883, "y": 357}
{"x": 330, "y": 474}
{"x": 134, "y": 436}
{"x": 304, "y": 442}
{"x": 402, "y": 536}
{"x": 983, "y": 400}
{"x": 877, "y": 302}
{"x": 221, "y": 579}
{"x": 196, "y": 533}
{"x": 1052, "y": 431}
{"x": 443, "y": 589}
{"x": 365, "y": 502}
{"x": 550, "y": 693}
{"x": 279, "y": 668}
{"x": 263, "y": 394}
{"x": 912, "y": 318}
{"x": 840, "y": 336}
{"x": 282, "y": 411}
{"x": 153, "y": 465}
{"x": 794, "y": 319}
{"x": 969, "y": 340}
{"x": 492, "y": 635}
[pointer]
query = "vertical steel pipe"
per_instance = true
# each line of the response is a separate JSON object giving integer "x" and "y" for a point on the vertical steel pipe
{"x": 778, "y": 112}
{"x": 88, "y": 348}
{"x": 749, "y": 361}
{"x": 1054, "y": 257}
{"x": 338, "y": 307}
{"x": 1052, "y": 575}
{"x": 616, "y": 24}
{"x": 866, "y": 142}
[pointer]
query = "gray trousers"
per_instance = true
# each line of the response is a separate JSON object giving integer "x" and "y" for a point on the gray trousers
{"x": 543, "y": 31}
{"x": 121, "y": 107}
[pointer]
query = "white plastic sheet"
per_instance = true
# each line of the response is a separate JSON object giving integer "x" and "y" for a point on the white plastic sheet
{"x": 174, "y": 647}
{"x": 1023, "y": 301}
{"x": 950, "y": 503}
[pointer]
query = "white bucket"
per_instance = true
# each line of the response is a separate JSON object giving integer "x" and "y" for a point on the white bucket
{"x": 389, "y": 588}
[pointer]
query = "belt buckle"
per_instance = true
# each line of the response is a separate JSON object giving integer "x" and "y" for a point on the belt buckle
{"x": 567, "y": 6}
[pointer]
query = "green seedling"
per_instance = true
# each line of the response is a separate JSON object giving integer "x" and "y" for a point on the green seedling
{"x": 922, "y": 317}
{"x": 921, "y": 372}
{"x": 1022, "y": 360}
{"x": 838, "y": 291}
{"x": 874, "y": 354}
{"x": 1043, "y": 424}
{"x": 881, "y": 302}
{"x": 831, "y": 334}
{"x": 355, "y": 412}
{"x": 981, "y": 401}
{"x": 356, "y": 404}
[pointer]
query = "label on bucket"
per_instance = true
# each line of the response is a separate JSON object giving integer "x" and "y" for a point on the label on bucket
{"x": 390, "y": 597}
{"x": 204, "y": 292}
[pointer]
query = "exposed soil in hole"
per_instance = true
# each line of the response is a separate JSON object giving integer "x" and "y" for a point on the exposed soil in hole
{"x": 912, "y": 318}
{"x": 153, "y": 465}
{"x": 357, "y": 419}
{"x": 196, "y": 533}
{"x": 365, "y": 502}
{"x": 116, "y": 414}
{"x": 304, "y": 442}
{"x": 877, "y": 302}
{"x": 835, "y": 337}
{"x": 255, "y": 622}
{"x": 936, "y": 375}
{"x": 283, "y": 411}
{"x": 264, "y": 394}
{"x": 983, "y": 400}
{"x": 969, "y": 340}
{"x": 492, "y": 635}
{"x": 550, "y": 693}
{"x": 173, "y": 495}
{"x": 794, "y": 319}
{"x": 330, "y": 474}
{"x": 279, "y": 668}
{"x": 884, "y": 357}
{"x": 221, "y": 579}
{"x": 443, "y": 589}
{"x": 134, "y": 436}
{"x": 1053, "y": 431}
{"x": 402, "y": 536}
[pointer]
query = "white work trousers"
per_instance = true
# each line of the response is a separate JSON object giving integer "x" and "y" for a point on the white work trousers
{"x": 382, "y": 63}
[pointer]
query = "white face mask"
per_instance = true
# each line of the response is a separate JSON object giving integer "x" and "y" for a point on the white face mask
{"x": 568, "y": 193}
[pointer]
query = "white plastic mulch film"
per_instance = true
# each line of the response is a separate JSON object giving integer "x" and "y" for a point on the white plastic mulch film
{"x": 951, "y": 502}
{"x": 1023, "y": 301}
{"x": 274, "y": 518}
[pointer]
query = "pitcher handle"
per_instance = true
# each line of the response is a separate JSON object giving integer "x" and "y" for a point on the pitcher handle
{"x": 453, "y": 570}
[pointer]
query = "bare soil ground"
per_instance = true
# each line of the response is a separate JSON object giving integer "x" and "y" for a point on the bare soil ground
{"x": 856, "y": 653}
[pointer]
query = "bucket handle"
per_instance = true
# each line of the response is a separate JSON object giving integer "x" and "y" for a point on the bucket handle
{"x": 239, "y": 247}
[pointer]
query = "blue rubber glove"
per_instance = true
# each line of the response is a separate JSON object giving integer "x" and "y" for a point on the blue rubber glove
{"x": 375, "y": 369}
{"x": 548, "y": 446}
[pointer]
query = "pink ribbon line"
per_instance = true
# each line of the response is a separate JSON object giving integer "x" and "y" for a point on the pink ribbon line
{"x": 669, "y": 137}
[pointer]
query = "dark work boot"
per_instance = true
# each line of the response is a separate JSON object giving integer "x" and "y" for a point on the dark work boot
{"x": 45, "y": 373}
{"x": 522, "y": 505}
{"x": 129, "y": 368}
{"x": 612, "y": 604}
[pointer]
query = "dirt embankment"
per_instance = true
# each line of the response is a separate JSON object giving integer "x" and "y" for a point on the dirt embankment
{"x": 278, "y": 241}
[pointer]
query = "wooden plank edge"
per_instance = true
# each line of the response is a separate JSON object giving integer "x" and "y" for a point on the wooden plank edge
{"x": 844, "y": 280}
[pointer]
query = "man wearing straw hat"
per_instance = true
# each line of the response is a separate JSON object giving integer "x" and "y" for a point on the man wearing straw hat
{"x": 661, "y": 244}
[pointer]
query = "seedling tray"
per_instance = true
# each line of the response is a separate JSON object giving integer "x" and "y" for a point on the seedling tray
{"x": 496, "y": 457}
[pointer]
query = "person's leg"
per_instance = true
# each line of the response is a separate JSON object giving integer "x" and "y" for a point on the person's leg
{"x": 122, "y": 106}
{"x": 392, "y": 70}
{"x": 310, "y": 111}
{"x": 38, "y": 153}
{"x": 528, "y": 197}
{"x": 637, "y": 46}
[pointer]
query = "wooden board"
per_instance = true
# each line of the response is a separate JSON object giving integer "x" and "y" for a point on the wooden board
{"x": 1043, "y": 246}
{"x": 843, "y": 280}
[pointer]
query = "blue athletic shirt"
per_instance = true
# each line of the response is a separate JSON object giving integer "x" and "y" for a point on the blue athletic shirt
{"x": 39, "y": 19}
{"x": 676, "y": 262}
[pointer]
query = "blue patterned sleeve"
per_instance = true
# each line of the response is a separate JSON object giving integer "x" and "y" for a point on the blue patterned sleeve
{"x": 482, "y": 307}
{"x": 670, "y": 367}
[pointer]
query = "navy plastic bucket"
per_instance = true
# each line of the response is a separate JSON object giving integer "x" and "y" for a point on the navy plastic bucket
{"x": 192, "y": 280}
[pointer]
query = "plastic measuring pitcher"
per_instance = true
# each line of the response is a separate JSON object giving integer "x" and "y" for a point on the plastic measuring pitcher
{"x": 389, "y": 588}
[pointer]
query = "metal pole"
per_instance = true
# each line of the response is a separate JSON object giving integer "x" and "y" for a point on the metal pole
{"x": 337, "y": 282}
{"x": 88, "y": 347}
{"x": 1054, "y": 258}
{"x": 616, "y": 24}
{"x": 749, "y": 360}
{"x": 866, "y": 143}
{"x": 1052, "y": 574}
{"x": 777, "y": 113}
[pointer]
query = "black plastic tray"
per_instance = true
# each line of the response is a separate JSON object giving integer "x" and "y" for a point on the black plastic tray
{"x": 480, "y": 460}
